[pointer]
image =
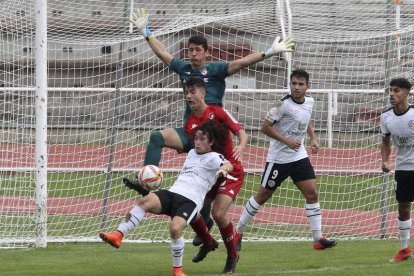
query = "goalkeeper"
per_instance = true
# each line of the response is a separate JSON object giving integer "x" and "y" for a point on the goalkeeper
{"x": 214, "y": 75}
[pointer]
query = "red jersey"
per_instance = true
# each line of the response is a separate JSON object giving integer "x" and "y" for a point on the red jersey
{"x": 217, "y": 113}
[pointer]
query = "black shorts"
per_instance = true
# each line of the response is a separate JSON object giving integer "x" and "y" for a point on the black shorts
{"x": 173, "y": 204}
{"x": 274, "y": 173}
{"x": 404, "y": 188}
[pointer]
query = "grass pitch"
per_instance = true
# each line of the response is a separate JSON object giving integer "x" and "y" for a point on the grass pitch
{"x": 366, "y": 257}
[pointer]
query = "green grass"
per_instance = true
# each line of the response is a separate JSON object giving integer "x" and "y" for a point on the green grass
{"x": 367, "y": 257}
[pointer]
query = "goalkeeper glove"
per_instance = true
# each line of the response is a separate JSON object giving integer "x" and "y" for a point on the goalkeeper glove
{"x": 140, "y": 20}
{"x": 287, "y": 45}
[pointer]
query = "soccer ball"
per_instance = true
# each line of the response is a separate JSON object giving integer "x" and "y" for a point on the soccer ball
{"x": 150, "y": 177}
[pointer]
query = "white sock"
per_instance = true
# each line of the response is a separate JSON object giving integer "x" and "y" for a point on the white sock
{"x": 249, "y": 211}
{"x": 177, "y": 251}
{"x": 131, "y": 220}
{"x": 404, "y": 229}
{"x": 314, "y": 214}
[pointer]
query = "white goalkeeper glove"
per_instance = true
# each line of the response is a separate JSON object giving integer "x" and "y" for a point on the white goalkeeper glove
{"x": 140, "y": 20}
{"x": 287, "y": 45}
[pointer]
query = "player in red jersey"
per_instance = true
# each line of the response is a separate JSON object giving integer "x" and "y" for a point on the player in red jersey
{"x": 225, "y": 190}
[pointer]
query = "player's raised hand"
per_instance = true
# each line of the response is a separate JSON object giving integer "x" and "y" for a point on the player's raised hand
{"x": 287, "y": 45}
{"x": 140, "y": 19}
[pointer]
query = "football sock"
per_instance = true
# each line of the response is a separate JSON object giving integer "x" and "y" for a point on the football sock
{"x": 314, "y": 214}
{"x": 205, "y": 211}
{"x": 154, "y": 148}
{"x": 227, "y": 233}
{"x": 404, "y": 229}
{"x": 131, "y": 220}
{"x": 200, "y": 228}
{"x": 249, "y": 211}
{"x": 177, "y": 251}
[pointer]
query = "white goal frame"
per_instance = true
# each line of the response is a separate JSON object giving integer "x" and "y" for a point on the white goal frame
{"x": 328, "y": 99}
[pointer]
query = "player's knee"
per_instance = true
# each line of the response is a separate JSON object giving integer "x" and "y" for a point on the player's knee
{"x": 156, "y": 139}
{"x": 404, "y": 210}
{"x": 263, "y": 195}
{"x": 219, "y": 215}
{"x": 144, "y": 203}
{"x": 311, "y": 197}
{"x": 175, "y": 230}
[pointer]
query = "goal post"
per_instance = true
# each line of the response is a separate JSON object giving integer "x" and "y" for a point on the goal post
{"x": 107, "y": 91}
{"x": 41, "y": 122}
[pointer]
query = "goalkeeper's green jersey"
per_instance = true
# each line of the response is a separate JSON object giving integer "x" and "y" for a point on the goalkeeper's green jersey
{"x": 213, "y": 74}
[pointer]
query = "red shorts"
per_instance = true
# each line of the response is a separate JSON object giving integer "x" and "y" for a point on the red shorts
{"x": 227, "y": 186}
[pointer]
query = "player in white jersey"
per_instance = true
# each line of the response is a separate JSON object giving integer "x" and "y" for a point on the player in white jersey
{"x": 397, "y": 123}
{"x": 183, "y": 201}
{"x": 287, "y": 125}
{"x": 198, "y": 168}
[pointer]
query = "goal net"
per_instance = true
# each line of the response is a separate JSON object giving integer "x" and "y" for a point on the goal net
{"x": 107, "y": 91}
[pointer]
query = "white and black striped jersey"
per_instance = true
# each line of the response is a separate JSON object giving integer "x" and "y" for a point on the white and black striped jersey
{"x": 290, "y": 119}
{"x": 401, "y": 129}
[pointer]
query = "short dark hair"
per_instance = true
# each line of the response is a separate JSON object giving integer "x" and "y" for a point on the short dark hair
{"x": 194, "y": 82}
{"x": 401, "y": 83}
{"x": 217, "y": 133}
{"x": 199, "y": 40}
{"x": 301, "y": 74}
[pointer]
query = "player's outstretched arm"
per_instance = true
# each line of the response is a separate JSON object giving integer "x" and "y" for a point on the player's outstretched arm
{"x": 141, "y": 20}
{"x": 287, "y": 45}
